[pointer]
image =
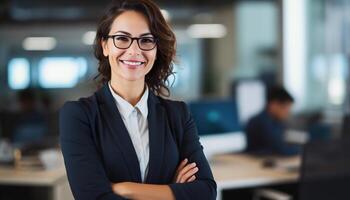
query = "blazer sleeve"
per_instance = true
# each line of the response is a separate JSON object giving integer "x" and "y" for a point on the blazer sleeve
{"x": 204, "y": 187}
{"x": 86, "y": 175}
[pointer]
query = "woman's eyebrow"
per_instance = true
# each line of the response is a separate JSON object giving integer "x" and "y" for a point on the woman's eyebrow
{"x": 124, "y": 32}
{"x": 144, "y": 34}
{"x": 129, "y": 34}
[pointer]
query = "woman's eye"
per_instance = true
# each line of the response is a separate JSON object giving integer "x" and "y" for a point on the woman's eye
{"x": 147, "y": 40}
{"x": 122, "y": 38}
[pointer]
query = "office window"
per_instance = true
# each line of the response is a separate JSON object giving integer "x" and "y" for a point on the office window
{"x": 295, "y": 49}
{"x": 61, "y": 72}
{"x": 186, "y": 82}
{"x": 250, "y": 97}
{"x": 18, "y": 73}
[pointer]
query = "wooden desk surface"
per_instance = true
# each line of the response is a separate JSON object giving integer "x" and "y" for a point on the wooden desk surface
{"x": 241, "y": 170}
{"x": 230, "y": 172}
{"x": 30, "y": 177}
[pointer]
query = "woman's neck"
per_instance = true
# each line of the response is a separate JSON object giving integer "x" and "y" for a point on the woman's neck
{"x": 131, "y": 91}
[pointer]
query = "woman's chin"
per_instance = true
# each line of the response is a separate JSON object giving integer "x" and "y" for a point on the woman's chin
{"x": 134, "y": 77}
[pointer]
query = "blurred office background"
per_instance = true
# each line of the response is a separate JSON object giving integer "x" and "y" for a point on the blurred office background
{"x": 229, "y": 52}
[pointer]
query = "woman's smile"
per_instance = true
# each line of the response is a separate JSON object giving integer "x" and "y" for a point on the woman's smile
{"x": 132, "y": 64}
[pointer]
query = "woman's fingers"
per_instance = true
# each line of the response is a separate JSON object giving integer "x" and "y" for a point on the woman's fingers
{"x": 187, "y": 176}
{"x": 184, "y": 170}
{"x": 191, "y": 179}
{"x": 179, "y": 168}
{"x": 182, "y": 165}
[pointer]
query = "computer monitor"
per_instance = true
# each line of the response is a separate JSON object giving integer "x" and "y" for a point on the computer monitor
{"x": 218, "y": 126}
{"x": 215, "y": 116}
{"x": 250, "y": 95}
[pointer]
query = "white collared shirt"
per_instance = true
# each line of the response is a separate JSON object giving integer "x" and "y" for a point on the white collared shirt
{"x": 135, "y": 120}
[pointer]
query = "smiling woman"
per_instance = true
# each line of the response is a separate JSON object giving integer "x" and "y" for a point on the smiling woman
{"x": 155, "y": 30}
{"x": 128, "y": 61}
{"x": 126, "y": 141}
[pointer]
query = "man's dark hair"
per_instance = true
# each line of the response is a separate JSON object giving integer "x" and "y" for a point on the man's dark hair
{"x": 279, "y": 94}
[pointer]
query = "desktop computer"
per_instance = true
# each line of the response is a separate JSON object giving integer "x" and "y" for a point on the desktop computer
{"x": 218, "y": 126}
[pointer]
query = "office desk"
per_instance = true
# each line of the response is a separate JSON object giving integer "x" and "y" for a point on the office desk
{"x": 54, "y": 180}
{"x": 238, "y": 171}
{"x": 233, "y": 171}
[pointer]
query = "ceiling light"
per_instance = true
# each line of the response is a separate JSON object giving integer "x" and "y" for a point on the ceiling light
{"x": 166, "y": 15}
{"x": 89, "y": 37}
{"x": 39, "y": 43}
{"x": 206, "y": 31}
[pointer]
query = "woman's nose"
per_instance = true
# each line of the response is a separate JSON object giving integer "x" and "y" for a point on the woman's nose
{"x": 134, "y": 48}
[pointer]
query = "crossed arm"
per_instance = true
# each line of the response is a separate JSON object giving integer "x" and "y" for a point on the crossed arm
{"x": 89, "y": 181}
{"x": 185, "y": 173}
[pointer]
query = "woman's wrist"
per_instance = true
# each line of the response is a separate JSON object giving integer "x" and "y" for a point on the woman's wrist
{"x": 124, "y": 189}
{"x": 132, "y": 190}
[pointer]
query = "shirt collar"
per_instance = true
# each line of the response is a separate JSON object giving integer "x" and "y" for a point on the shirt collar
{"x": 125, "y": 108}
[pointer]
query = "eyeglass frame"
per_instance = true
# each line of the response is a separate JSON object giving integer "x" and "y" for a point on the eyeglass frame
{"x": 132, "y": 40}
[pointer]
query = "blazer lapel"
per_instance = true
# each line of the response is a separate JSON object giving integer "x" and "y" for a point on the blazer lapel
{"x": 119, "y": 132}
{"x": 157, "y": 126}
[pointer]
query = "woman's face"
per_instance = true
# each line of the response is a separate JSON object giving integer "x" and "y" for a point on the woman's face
{"x": 131, "y": 64}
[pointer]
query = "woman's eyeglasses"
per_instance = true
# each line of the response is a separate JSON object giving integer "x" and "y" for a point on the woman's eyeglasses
{"x": 124, "y": 42}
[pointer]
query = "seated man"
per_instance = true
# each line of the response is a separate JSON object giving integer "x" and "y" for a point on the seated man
{"x": 265, "y": 131}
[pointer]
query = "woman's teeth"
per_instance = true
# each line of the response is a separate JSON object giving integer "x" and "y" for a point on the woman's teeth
{"x": 131, "y": 63}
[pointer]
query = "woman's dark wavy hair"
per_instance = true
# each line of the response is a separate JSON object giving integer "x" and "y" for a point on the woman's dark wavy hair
{"x": 157, "y": 78}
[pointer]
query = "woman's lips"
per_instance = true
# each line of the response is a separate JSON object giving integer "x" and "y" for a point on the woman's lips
{"x": 132, "y": 64}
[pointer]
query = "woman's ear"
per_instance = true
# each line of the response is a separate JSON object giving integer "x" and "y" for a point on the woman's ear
{"x": 104, "y": 46}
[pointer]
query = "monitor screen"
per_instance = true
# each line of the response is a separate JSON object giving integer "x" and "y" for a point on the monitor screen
{"x": 215, "y": 116}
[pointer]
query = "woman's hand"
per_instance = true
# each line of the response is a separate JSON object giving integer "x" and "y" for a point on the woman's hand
{"x": 185, "y": 172}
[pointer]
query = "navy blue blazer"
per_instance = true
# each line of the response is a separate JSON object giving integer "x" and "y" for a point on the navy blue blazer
{"x": 98, "y": 151}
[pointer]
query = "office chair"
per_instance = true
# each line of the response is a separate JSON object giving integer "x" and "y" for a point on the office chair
{"x": 346, "y": 126}
{"x": 325, "y": 173}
